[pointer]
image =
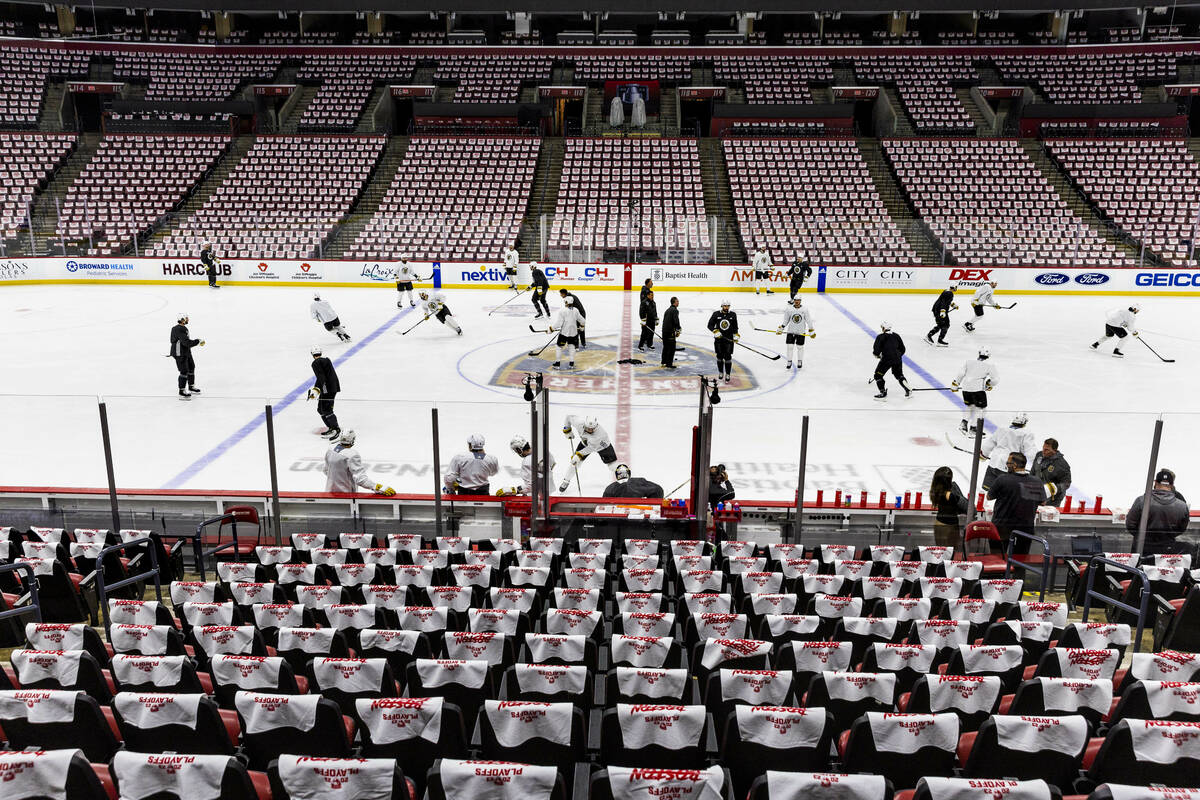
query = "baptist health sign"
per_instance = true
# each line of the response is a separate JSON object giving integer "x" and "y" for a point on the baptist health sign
{"x": 885, "y": 279}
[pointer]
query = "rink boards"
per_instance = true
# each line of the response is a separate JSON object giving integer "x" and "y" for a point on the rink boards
{"x": 677, "y": 277}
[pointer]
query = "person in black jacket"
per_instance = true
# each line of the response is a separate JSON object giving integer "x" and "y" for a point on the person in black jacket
{"x": 720, "y": 490}
{"x": 1018, "y": 495}
{"x": 541, "y": 288}
{"x": 723, "y": 325}
{"x": 648, "y": 314}
{"x": 949, "y": 504}
{"x": 670, "y": 332}
{"x": 564, "y": 294}
{"x": 941, "y": 316}
{"x": 1167, "y": 518}
{"x": 648, "y": 286}
{"x": 209, "y": 259}
{"x": 181, "y": 351}
{"x": 626, "y": 485}
{"x": 797, "y": 274}
{"x": 889, "y": 349}
{"x": 325, "y": 389}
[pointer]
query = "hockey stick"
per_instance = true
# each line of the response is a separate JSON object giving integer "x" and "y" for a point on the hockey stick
{"x": 540, "y": 330}
{"x": 956, "y": 447}
{"x": 934, "y": 389}
{"x": 677, "y": 488}
{"x": 768, "y": 356}
{"x": 1014, "y": 305}
{"x": 538, "y": 352}
{"x": 506, "y": 302}
{"x": 1152, "y": 350}
{"x": 418, "y": 322}
{"x": 779, "y": 332}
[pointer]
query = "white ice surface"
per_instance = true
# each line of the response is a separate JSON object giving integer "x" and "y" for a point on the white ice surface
{"x": 65, "y": 346}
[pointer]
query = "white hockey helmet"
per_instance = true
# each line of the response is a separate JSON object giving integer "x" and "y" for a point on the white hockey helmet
{"x": 725, "y": 303}
{"x": 316, "y": 295}
{"x": 518, "y": 444}
{"x": 181, "y": 316}
{"x": 1135, "y": 308}
{"x": 622, "y": 472}
{"x": 570, "y": 301}
{"x": 1020, "y": 419}
{"x": 316, "y": 350}
{"x": 347, "y": 438}
{"x": 796, "y": 301}
{"x": 207, "y": 244}
{"x": 885, "y": 325}
{"x": 532, "y": 264}
{"x": 475, "y": 442}
{"x": 984, "y": 353}
{"x": 590, "y": 424}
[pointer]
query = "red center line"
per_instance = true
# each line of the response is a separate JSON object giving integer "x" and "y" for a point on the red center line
{"x": 624, "y": 380}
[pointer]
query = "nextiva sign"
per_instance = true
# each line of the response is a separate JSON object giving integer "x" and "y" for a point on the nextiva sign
{"x": 1168, "y": 279}
{"x": 1091, "y": 279}
{"x": 1052, "y": 279}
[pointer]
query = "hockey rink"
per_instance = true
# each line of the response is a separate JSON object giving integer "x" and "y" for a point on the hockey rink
{"x": 67, "y": 346}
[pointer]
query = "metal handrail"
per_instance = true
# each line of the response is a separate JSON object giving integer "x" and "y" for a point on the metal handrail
{"x": 102, "y": 590}
{"x": 197, "y": 543}
{"x": 35, "y": 604}
{"x": 1043, "y": 571}
{"x": 1142, "y": 611}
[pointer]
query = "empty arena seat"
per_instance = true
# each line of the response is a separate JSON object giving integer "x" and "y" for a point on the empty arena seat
{"x": 61, "y": 669}
{"x": 274, "y": 724}
{"x": 786, "y": 785}
{"x": 902, "y": 747}
{"x": 626, "y": 783}
{"x": 1163, "y": 752}
{"x": 760, "y": 738}
{"x": 972, "y": 698}
{"x": 849, "y": 695}
{"x": 647, "y": 685}
{"x": 672, "y": 737}
{"x": 49, "y": 719}
{"x": 204, "y": 777}
{"x": 1026, "y": 748}
{"x": 176, "y": 723}
{"x": 550, "y": 734}
{"x": 294, "y": 776}
{"x": 465, "y": 683}
{"x": 50, "y": 774}
{"x": 415, "y": 731}
{"x": 454, "y": 778}
{"x": 170, "y": 674}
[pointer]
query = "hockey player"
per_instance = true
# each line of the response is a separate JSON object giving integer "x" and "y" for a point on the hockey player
{"x": 648, "y": 315}
{"x": 436, "y": 307}
{"x": 405, "y": 275}
{"x": 592, "y": 439}
{"x": 941, "y": 316}
{"x": 209, "y": 259}
{"x": 520, "y": 446}
{"x": 723, "y": 325}
{"x": 181, "y": 351}
{"x": 977, "y": 377}
{"x": 982, "y": 297}
{"x": 797, "y": 274}
{"x": 325, "y": 389}
{"x": 670, "y": 332}
{"x": 797, "y": 324}
{"x": 469, "y": 471}
{"x": 889, "y": 349}
{"x": 1013, "y": 439}
{"x": 344, "y": 471}
{"x": 568, "y": 323}
{"x": 511, "y": 259}
{"x": 629, "y": 485}
{"x": 761, "y": 264}
{"x": 564, "y": 294}
{"x": 1119, "y": 323}
{"x": 541, "y": 288}
{"x": 323, "y": 313}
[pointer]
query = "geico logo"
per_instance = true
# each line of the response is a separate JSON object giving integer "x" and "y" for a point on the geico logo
{"x": 970, "y": 274}
{"x": 1167, "y": 279}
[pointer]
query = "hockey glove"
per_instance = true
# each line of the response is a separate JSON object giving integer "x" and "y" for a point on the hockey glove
{"x": 737, "y": 336}
{"x": 1135, "y": 333}
{"x": 988, "y": 386}
{"x": 954, "y": 306}
{"x": 942, "y": 313}
{"x": 202, "y": 341}
{"x": 386, "y": 491}
{"x": 716, "y": 333}
{"x": 779, "y": 330}
{"x": 812, "y": 334}
{"x": 954, "y": 386}
{"x": 312, "y": 393}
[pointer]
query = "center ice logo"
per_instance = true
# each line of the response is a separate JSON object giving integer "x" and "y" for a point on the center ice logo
{"x": 596, "y": 371}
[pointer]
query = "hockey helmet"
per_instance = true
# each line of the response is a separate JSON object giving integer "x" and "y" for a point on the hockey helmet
{"x": 316, "y": 295}
{"x": 475, "y": 442}
{"x": 984, "y": 353}
{"x": 570, "y": 301}
{"x": 885, "y": 325}
{"x": 347, "y": 438}
{"x": 590, "y": 424}
{"x": 1135, "y": 308}
{"x": 622, "y": 472}
{"x": 518, "y": 444}
{"x": 796, "y": 301}
{"x": 1020, "y": 419}
{"x": 181, "y": 316}
{"x": 725, "y": 303}
{"x": 316, "y": 350}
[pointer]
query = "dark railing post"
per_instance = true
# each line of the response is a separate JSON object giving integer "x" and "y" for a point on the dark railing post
{"x": 975, "y": 452}
{"x": 437, "y": 477}
{"x": 535, "y": 488}
{"x": 108, "y": 465}
{"x": 1143, "y": 607}
{"x": 798, "y": 528}
{"x": 274, "y": 476}
{"x": 1145, "y": 518}
{"x": 547, "y": 473}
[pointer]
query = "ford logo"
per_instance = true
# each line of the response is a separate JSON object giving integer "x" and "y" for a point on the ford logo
{"x": 1052, "y": 279}
{"x": 72, "y": 266}
{"x": 1091, "y": 278}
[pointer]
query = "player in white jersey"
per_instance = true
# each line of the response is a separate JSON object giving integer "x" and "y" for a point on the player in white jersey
{"x": 568, "y": 322}
{"x": 344, "y": 470}
{"x": 520, "y": 446}
{"x": 1119, "y": 323}
{"x": 469, "y": 472}
{"x": 982, "y": 297}
{"x": 511, "y": 259}
{"x": 977, "y": 377}
{"x": 323, "y": 313}
{"x": 436, "y": 307}
{"x": 797, "y": 324}
{"x": 405, "y": 275}
{"x": 592, "y": 439}
{"x": 761, "y": 264}
{"x": 1013, "y": 439}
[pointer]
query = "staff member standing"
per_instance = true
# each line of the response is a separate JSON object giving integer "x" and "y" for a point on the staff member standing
{"x": 578, "y": 306}
{"x": 670, "y": 332}
{"x": 469, "y": 471}
{"x": 181, "y": 351}
{"x": 648, "y": 314}
{"x": 209, "y": 259}
{"x": 541, "y": 287}
{"x": 325, "y": 390}
{"x": 723, "y": 325}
